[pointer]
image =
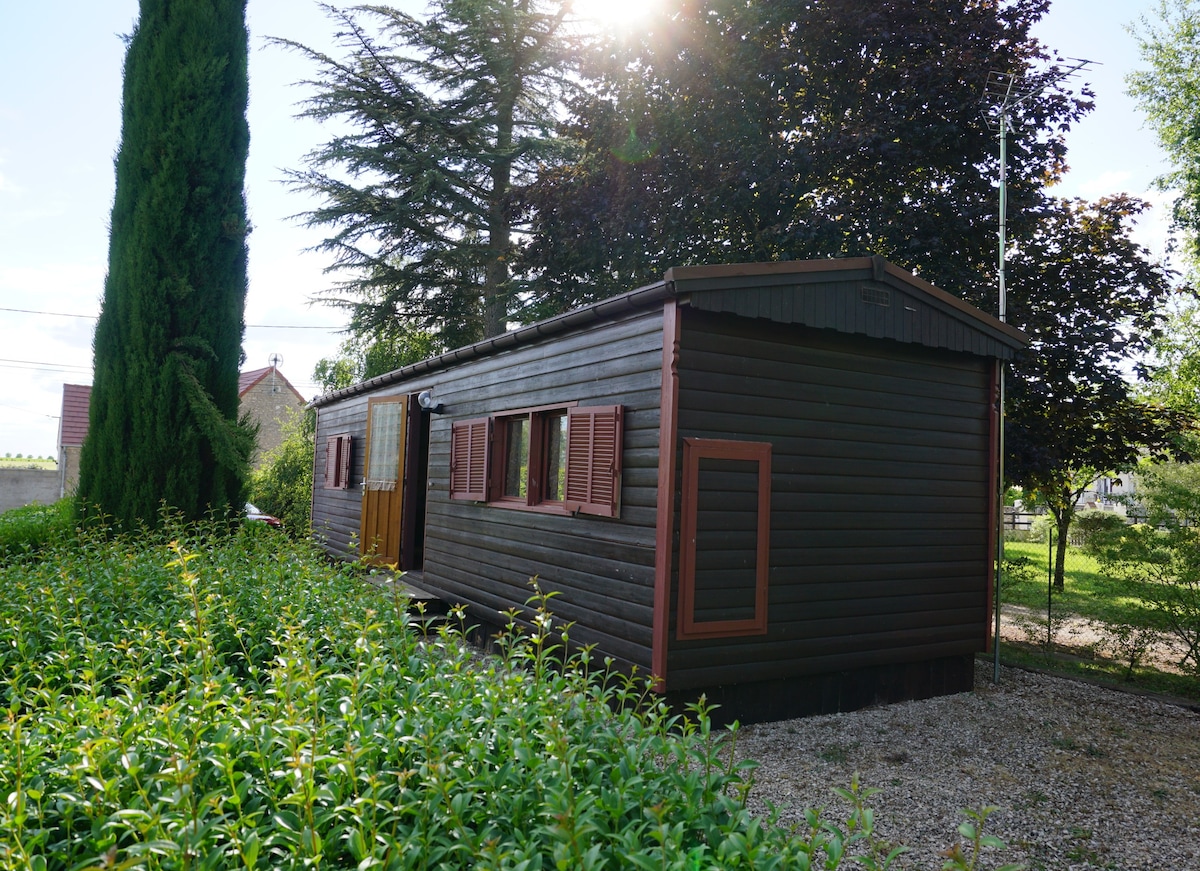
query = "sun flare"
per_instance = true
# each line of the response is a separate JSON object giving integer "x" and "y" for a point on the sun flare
{"x": 612, "y": 13}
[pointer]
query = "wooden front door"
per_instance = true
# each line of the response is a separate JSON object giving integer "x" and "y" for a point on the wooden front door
{"x": 383, "y": 483}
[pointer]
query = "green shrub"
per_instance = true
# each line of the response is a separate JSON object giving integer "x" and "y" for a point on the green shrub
{"x": 1161, "y": 558}
{"x": 1040, "y": 529}
{"x": 33, "y": 528}
{"x": 283, "y": 484}
{"x": 213, "y": 702}
{"x": 1093, "y": 529}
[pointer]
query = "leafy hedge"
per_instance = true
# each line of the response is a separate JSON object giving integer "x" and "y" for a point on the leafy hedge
{"x": 283, "y": 484}
{"x": 207, "y": 702}
{"x": 26, "y": 531}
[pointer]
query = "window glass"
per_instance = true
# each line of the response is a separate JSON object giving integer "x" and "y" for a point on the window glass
{"x": 383, "y": 464}
{"x": 554, "y": 459}
{"x": 555, "y": 425}
{"x": 516, "y": 460}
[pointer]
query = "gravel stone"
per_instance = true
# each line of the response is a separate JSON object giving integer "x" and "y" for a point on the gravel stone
{"x": 1085, "y": 776}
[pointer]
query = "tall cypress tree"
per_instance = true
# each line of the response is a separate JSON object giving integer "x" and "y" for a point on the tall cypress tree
{"x": 164, "y": 411}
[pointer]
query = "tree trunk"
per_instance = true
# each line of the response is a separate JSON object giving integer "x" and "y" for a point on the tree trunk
{"x": 1062, "y": 524}
{"x": 495, "y": 288}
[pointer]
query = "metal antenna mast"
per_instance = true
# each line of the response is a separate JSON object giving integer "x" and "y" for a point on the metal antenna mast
{"x": 1004, "y": 93}
{"x": 274, "y": 360}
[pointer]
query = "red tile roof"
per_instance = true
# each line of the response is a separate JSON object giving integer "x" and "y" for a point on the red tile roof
{"x": 246, "y": 380}
{"x": 73, "y": 425}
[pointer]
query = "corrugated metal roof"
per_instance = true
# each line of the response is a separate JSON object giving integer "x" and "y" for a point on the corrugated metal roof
{"x": 639, "y": 298}
{"x": 842, "y": 294}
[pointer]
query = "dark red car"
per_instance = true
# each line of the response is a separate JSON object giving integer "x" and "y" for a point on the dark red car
{"x": 253, "y": 514}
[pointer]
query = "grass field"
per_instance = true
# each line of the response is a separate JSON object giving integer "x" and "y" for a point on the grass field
{"x": 1088, "y": 591}
{"x": 27, "y": 463}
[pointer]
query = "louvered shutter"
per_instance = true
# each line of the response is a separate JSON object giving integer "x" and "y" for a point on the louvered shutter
{"x": 593, "y": 479}
{"x": 344, "y": 452}
{"x": 469, "y": 441}
{"x": 337, "y": 462}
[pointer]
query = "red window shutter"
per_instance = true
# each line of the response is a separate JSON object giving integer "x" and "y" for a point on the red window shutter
{"x": 469, "y": 441}
{"x": 594, "y": 441}
{"x": 345, "y": 443}
{"x": 337, "y": 462}
{"x": 331, "y": 445}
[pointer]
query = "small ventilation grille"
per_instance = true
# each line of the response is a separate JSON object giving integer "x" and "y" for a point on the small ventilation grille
{"x": 875, "y": 296}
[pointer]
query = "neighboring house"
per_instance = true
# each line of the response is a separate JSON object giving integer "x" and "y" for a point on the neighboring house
{"x": 270, "y": 399}
{"x": 1110, "y": 492}
{"x": 72, "y": 428}
{"x": 773, "y": 483}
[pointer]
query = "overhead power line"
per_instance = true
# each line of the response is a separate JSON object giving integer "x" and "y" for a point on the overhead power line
{"x": 290, "y": 327}
{"x": 27, "y": 411}
{"x": 27, "y": 311}
{"x": 50, "y": 367}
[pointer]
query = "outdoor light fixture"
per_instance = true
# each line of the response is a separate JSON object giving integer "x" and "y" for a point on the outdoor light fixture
{"x": 428, "y": 403}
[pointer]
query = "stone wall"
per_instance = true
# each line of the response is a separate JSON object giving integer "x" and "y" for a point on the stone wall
{"x": 22, "y": 486}
{"x": 68, "y": 468}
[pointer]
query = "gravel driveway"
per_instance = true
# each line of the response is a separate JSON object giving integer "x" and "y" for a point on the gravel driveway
{"x": 1085, "y": 777}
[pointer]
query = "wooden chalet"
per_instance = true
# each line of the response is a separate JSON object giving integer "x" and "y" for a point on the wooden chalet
{"x": 771, "y": 482}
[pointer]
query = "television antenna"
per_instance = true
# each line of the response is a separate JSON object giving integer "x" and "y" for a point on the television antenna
{"x": 1003, "y": 94}
{"x": 275, "y": 359}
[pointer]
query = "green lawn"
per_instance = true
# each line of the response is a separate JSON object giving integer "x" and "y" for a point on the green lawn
{"x": 1120, "y": 606}
{"x": 1088, "y": 591}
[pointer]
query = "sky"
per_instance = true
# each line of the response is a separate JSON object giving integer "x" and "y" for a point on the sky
{"x": 60, "y": 105}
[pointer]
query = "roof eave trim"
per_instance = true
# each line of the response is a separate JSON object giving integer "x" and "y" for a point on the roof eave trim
{"x": 1010, "y": 335}
{"x": 641, "y": 297}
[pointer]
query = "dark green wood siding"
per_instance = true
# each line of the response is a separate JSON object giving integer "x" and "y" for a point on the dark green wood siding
{"x": 863, "y": 296}
{"x": 880, "y": 495}
{"x": 337, "y": 514}
{"x": 873, "y": 390}
{"x": 601, "y": 568}
{"x": 868, "y": 308}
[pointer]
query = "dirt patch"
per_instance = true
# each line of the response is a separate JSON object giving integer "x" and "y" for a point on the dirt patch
{"x": 1073, "y": 635}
